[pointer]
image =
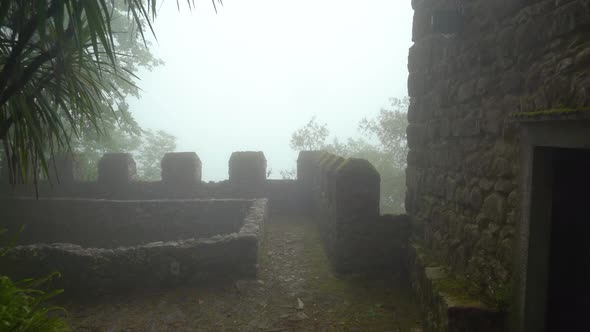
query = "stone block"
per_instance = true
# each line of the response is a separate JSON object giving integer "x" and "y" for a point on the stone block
{"x": 475, "y": 198}
{"x": 116, "y": 168}
{"x": 331, "y": 168}
{"x": 417, "y": 84}
{"x": 247, "y": 167}
{"x": 421, "y": 24}
{"x": 357, "y": 190}
{"x": 494, "y": 207}
{"x": 416, "y": 135}
{"x": 181, "y": 168}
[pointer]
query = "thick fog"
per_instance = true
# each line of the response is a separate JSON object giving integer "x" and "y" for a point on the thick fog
{"x": 250, "y": 75}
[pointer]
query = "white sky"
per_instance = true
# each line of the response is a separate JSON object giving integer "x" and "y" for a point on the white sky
{"x": 248, "y": 77}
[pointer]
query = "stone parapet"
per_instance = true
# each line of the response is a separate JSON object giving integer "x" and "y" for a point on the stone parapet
{"x": 115, "y": 169}
{"x": 181, "y": 169}
{"x": 344, "y": 196}
{"x": 189, "y": 259}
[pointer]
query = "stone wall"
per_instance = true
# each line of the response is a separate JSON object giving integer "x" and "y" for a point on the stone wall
{"x": 343, "y": 194}
{"x": 110, "y": 224}
{"x": 463, "y": 165}
{"x": 344, "y": 199}
{"x": 163, "y": 263}
{"x": 247, "y": 167}
{"x": 181, "y": 168}
{"x": 181, "y": 179}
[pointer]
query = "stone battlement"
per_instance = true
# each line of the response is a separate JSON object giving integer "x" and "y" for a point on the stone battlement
{"x": 341, "y": 194}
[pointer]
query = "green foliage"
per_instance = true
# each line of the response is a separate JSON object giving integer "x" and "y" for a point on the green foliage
{"x": 153, "y": 147}
{"x": 390, "y": 128}
{"x": 312, "y": 136}
{"x": 63, "y": 71}
{"x": 22, "y": 304}
{"x": 22, "y": 307}
{"x": 93, "y": 147}
{"x": 147, "y": 148}
{"x": 288, "y": 174}
{"x": 388, "y": 155}
{"x": 555, "y": 112}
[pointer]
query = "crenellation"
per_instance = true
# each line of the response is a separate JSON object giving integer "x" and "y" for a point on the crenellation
{"x": 181, "y": 168}
{"x": 247, "y": 168}
{"x": 115, "y": 169}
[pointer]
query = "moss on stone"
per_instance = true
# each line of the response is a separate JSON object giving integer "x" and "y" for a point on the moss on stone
{"x": 326, "y": 160}
{"x": 356, "y": 164}
{"x": 364, "y": 302}
{"x": 335, "y": 163}
{"x": 322, "y": 157}
{"x": 426, "y": 259}
{"x": 551, "y": 113}
{"x": 459, "y": 289}
{"x": 502, "y": 297}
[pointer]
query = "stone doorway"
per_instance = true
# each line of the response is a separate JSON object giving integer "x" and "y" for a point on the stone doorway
{"x": 568, "y": 291}
{"x": 553, "y": 257}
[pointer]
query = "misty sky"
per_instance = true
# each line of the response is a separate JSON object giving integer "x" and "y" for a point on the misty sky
{"x": 248, "y": 77}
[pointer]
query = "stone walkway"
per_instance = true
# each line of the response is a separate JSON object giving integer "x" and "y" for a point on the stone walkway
{"x": 295, "y": 292}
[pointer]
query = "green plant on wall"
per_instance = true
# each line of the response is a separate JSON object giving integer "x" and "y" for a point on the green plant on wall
{"x": 23, "y": 305}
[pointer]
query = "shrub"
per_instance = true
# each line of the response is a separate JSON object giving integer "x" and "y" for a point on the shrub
{"x": 23, "y": 305}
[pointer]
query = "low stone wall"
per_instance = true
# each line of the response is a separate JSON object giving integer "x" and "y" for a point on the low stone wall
{"x": 109, "y": 224}
{"x": 155, "y": 264}
{"x": 345, "y": 201}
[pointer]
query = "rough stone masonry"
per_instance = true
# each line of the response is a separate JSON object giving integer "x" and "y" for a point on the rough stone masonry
{"x": 463, "y": 165}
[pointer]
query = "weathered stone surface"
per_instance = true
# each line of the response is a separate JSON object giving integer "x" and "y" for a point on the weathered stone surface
{"x": 494, "y": 207}
{"x": 504, "y": 186}
{"x": 445, "y": 301}
{"x": 116, "y": 169}
{"x": 357, "y": 190}
{"x": 181, "y": 168}
{"x": 110, "y": 224}
{"x": 247, "y": 167}
{"x": 345, "y": 194}
{"x": 512, "y": 56}
{"x": 156, "y": 264}
{"x": 475, "y": 198}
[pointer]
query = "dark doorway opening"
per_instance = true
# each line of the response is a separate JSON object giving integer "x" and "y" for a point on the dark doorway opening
{"x": 568, "y": 288}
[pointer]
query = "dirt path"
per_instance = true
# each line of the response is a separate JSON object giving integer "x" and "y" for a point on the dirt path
{"x": 295, "y": 292}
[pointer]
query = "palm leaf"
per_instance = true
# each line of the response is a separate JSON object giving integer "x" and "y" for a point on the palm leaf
{"x": 58, "y": 62}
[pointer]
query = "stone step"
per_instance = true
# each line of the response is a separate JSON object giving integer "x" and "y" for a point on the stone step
{"x": 445, "y": 302}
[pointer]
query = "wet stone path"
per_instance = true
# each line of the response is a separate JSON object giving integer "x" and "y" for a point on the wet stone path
{"x": 295, "y": 291}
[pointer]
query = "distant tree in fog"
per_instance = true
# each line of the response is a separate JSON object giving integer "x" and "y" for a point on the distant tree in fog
{"x": 288, "y": 174}
{"x": 147, "y": 149}
{"x": 390, "y": 128}
{"x": 312, "y": 136}
{"x": 388, "y": 155}
{"x": 149, "y": 155}
{"x": 65, "y": 69}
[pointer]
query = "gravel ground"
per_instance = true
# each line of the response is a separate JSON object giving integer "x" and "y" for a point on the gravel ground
{"x": 295, "y": 291}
